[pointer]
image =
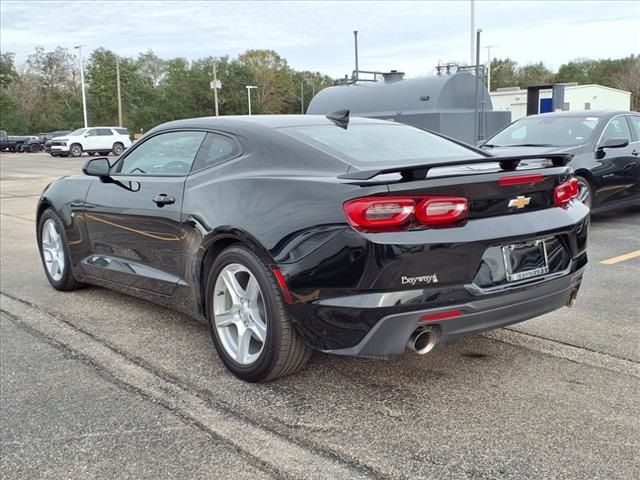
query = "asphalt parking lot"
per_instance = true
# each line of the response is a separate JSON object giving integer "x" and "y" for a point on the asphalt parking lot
{"x": 95, "y": 384}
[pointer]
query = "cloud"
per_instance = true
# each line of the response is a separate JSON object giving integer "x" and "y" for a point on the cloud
{"x": 410, "y": 36}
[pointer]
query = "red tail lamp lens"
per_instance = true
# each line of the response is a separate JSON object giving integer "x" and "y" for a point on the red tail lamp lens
{"x": 440, "y": 316}
{"x": 439, "y": 211}
{"x": 565, "y": 192}
{"x": 286, "y": 294}
{"x": 379, "y": 213}
{"x": 521, "y": 179}
{"x": 395, "y": 213}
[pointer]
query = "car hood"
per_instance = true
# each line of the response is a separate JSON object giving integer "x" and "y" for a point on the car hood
{"x": 515, "y": 151}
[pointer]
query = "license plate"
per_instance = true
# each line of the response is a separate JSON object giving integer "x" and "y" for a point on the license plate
{"x": 525, "y": 260}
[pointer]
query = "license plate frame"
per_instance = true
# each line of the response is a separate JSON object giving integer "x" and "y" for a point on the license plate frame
{"x": 514, "y": 255}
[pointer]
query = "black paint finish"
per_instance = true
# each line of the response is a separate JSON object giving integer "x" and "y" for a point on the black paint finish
{"x": 282, "y": 198}
{"x": 614, "y": 173}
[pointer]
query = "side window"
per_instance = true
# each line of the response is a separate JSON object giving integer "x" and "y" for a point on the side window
{"x": 216, "y": 149}
{"x": 92, "y": 132}
{"x": 169, "y": 153}
{"x": 635, "y": 124}
{"x": 617, "y": 128}
{"x": 104, "y": 132}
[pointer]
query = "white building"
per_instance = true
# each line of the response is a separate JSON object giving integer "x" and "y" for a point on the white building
{"x": 576, "y": 97}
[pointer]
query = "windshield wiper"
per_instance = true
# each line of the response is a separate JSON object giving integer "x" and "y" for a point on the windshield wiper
{"x": 488, "y": 145}
{"x": 529, "y": 145}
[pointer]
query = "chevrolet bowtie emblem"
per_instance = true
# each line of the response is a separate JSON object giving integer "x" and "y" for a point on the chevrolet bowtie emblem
{"x": 519, "y": 202}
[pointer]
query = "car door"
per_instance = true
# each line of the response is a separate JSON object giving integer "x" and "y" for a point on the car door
{"x": 617, "y": 174}
{"x": 133, "y": 218}
{"x": 104, "y": 139}
{"x": 90, "y": 140}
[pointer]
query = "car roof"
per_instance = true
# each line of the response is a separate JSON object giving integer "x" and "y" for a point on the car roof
{"x": 257, "y": 121}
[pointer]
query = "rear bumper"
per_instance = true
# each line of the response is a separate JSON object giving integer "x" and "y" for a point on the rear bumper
{"x": 389, "y": 336}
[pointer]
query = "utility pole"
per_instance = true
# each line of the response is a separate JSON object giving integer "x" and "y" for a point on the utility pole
{"x": 84, "y": 97}
{"x": 215, "y": 86}
{"x": 118, "y": 90}
{"x": 472, "y": 31}
{"x": 302, "y": 97}
{"x": 489, "y": 47}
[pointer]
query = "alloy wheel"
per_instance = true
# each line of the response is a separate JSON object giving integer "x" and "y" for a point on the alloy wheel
{"x": 584, "y": 192}
{"x": 76, "y": 151}
{"x": 239, "y": 314}
{"x": 52, "y": 250}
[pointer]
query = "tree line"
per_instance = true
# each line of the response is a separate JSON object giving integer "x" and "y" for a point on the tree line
{"x": 44, "y": 94}
{"x": 623, "y": 73}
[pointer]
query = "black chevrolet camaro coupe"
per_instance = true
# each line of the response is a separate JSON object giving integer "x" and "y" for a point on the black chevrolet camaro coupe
{"x": 605, "y": 146}
{"x": 292, "y": 233}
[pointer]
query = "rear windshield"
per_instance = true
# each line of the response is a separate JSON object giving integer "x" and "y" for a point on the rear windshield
{"x": 381, "y": 143}
{"x": 122, "y": 131}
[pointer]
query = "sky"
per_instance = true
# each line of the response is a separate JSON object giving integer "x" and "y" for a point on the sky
{"x": 410, "y": 36}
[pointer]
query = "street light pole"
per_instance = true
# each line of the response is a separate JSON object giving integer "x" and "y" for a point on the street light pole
{"x": 489, "y": 47}
{"x": 249, "y": 88}
{"x": 84, "y": 97}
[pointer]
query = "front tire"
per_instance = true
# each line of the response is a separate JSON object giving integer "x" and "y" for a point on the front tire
{"x": 34, "y": 148}
{"x": 54, "y": 253}
{"x": 249, "y": 323}
{"x": 118, "y": 148}
{"x": 75, "y": 150}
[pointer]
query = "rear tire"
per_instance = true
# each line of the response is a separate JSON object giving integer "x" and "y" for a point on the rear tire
{"x": 282, "y": 352}
{"x": 54, "y": 253}
{"x": 585, "y": 191}
{"x": 75, "y": 150}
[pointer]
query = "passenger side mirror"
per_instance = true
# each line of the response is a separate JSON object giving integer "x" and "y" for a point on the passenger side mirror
{"x": 97, "y": 167}
{"x": 614, "y": 143}
{"x": 611, "y": 143}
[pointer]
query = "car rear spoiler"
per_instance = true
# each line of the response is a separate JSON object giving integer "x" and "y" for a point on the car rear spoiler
{"x": 420, "y": 171}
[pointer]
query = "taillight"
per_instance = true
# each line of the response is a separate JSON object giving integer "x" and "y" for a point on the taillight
{"x": 397, "y": 213}
{"x": 375, "y": 213}
{"x": 437, "y": 211}
{"x": 565, "y": 192}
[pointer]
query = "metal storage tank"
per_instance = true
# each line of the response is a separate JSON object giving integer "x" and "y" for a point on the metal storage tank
{"x": 442, "y": 103}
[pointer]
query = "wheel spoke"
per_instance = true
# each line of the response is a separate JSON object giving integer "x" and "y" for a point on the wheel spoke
{"x": 244, "y": 338}
{"x": 54, "y": 267}
{"x": 52, "y": 232}
{"x": 225, "y": 319}
{"x": 259, "y": 331}
{"x": 235, "y": 290}
{"x": 252, "y": 292}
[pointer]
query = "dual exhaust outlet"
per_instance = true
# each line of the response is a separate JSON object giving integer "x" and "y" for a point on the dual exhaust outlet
{"x": 422, "y": 340}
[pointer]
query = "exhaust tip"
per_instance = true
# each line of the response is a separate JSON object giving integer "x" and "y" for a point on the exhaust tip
{"x": 423, "y": 341}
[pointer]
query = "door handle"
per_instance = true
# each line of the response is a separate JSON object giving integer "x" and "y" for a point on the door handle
{"x": 635, "y": 152}
{"x": 162, "y": 199}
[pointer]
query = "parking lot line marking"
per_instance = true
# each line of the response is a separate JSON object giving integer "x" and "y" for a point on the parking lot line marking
{"x": 621, "y": 258}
